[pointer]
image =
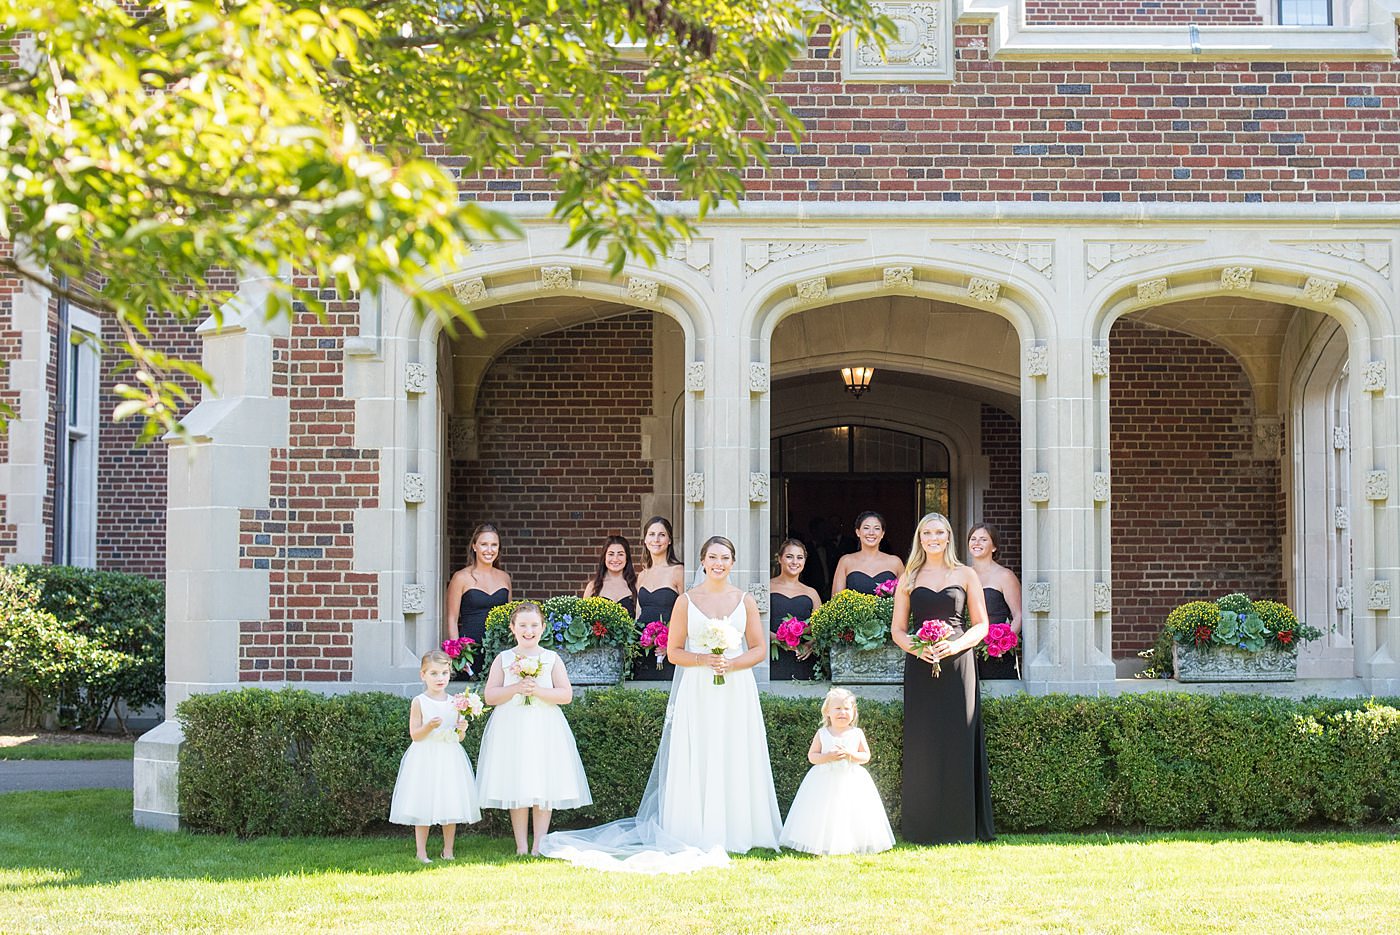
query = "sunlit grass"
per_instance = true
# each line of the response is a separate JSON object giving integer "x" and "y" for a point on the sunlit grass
{"x": 72, "y": 860}
{"x": 101, "y": 750}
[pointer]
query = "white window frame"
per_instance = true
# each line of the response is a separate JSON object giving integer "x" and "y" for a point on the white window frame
{"x": 82, "y": 392}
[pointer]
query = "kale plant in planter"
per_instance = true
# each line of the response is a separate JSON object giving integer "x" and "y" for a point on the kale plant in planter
{"x": 852, "y": 630}
{"x": 1234, "y": 639}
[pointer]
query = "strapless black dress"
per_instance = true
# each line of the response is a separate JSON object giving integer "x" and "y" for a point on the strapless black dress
{"x": 998, "y": 611}
{"x": 627, "y": 604}
{"x": 946, "y": 794}
{"x": 787, "y": 666}
{"x": 476, "y": 604}
{"x": 655, "y": 605}
{"x": 865, "y": 584}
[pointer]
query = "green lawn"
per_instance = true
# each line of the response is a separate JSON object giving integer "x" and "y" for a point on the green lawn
{"x": 72, "y": 860}
{"x": 100, "y": 750}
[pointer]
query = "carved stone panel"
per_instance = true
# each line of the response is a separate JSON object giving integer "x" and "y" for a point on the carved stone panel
{"x": 1268, "y": 438}
{"x": 1377, "y": 485}
{"x": 1373, "y": 377}
{"x": 812, "y": 290}
{"x": 415, "y": 379}
{"x": 695, "y": 488}
{"x": 1039, "y": 255}
{"x": 1039, "y": 487}
{"x": 1038, "y": 597}
{"x": 1340, "y": 517}
{"x": 921, "y": 50}
{"x": 758, "y": 377}
{"x": 983, "y": 290}
{"x": 415, "y": 599}
{"x": 1103, "y": 598}
{"x": 462, "y": 436}
{"x": 759, "y": 591}
{"x": 1378, "y": 597}
{"x": 1101, "y": 487}
{"x": 1341, "y": 437}
{"x": 697, "y": 254}
{"x": 1237, "y": 277}
{"x": 899, "y": 277}
{"x": 1374, "y": 254}
{"x": 470, "y": 290}
{"x": 1100, "y": 254}
{"x": 414, "y": 488}
{"x": 556, "y": 277}
{"x": 1152, "y": 290}
{"x": 1319, "y": 289}
{"x": 760, "y": 253}
{"x": 1228, "y": 664}
{"x": 695, "y": 376}
{"x": 1098, "y": 360}
{"x": 1343, "y": 597}
{"x": 758, "y": 487}
{"x": 642, "y": 290}
{"x": 1038, "y": 361}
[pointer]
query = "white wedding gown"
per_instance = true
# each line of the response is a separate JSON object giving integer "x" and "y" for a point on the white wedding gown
{"x": 711, "y": 786}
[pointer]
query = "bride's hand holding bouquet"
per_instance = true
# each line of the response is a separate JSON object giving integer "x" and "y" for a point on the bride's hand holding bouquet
{"x": 719, "y": 637}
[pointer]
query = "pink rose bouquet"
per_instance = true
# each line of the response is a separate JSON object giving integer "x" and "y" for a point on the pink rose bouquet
{"x": 886, "y": 588}
{"x": 929, "y": 633}
{"x": 999, "y": 641}
{"x": 462, "y": 653}
{"x": 527, "y": 667}
{"x": 654, "y": 637}
{"x": 789, "y": 636}
{"x": 469, "y": 706}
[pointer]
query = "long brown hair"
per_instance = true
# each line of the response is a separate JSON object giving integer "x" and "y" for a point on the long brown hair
{"x": 671, "y": 557}
{"x": 477, "y": 534}
{"x": 629, "y": 571}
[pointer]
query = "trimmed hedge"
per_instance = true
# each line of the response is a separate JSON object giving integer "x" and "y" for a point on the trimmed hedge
{"x": 257, "y": 762}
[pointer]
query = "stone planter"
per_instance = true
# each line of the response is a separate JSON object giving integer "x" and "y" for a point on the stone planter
{"x": 1227, "y": 664}
{"x": 601, "y": 665}
{"x": 850, "y": 666}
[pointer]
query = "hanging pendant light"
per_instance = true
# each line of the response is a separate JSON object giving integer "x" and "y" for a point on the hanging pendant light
{"x": 857, "y": 379}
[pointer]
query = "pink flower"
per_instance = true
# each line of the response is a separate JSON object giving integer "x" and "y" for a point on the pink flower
{"x": 1000, "y": 640}
{"x": 886, "y": 588}
{"x": 654, "y": 637}
{"x": 790, "y": 632}
{"x": 930, "y": 632}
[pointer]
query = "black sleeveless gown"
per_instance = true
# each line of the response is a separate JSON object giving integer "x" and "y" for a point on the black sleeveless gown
{"x": 476, "y": 604}
{"x": 946, "y": 794}
{"x": 655, "y": 605}
{"x": 865, "y": 584}
{"x": 787, "y": 666}
{"x": 998, "y": 611}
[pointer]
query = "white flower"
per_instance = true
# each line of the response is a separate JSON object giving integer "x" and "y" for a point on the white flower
{"x": 719, "y": 637}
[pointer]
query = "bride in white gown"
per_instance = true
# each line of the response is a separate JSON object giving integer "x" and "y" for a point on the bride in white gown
{"x": 711, "y": 787}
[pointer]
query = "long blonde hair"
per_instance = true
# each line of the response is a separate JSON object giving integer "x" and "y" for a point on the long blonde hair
{"x": 917, "y": 555}
{"x": 835, "y": 697}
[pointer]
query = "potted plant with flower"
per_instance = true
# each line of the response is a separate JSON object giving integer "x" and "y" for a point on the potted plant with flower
{"x": 852, "y": 631}
{"x": 594, "y": 636}
{"x": 1234, "y": 639}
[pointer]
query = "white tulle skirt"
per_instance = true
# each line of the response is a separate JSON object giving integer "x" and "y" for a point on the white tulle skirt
{"x": 528, "y": 758}
{"x": 837, "y": 810}
{"x": 435, "y": 784}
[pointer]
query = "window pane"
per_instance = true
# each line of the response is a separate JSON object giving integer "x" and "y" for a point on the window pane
{"x": 1305, "y": 12}
{"x": 820, "y": 451}
{"x": 935, "y": 457}
{"x": 883, "y": 451}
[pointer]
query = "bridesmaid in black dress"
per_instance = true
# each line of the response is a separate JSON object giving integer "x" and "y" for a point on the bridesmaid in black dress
{"x": 615, "y": 577}
{"x": 1002, "y": 590}
{"x": 661, "y": 581}
{"x": 946, "y": 794}
{"x": 865, "y": 570}
{"x": 789, "y": 597}
{"x": 475, "y": 589}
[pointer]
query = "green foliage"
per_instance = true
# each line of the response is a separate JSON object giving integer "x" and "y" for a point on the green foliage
{"x": 145, "y": 146}
{"x": 1159, "y": 657}
{"x": 80, "y": 640}
{"x": 853, "y": 619}
{"x": 257, "y": 762}
{"x": 1235, "y": 621}
{"x": 572, "y": 625}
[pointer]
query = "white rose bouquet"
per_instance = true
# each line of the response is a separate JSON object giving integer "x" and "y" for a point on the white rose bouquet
{"x": 719, "y": 637}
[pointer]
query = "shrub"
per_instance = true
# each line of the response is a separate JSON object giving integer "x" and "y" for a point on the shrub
{"x": 258, "y": 762}
{"x": 852, "y": 619}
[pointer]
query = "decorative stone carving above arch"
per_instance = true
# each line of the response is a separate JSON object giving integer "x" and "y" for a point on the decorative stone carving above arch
{"x": 760, "y": 253}
{"x": 1237, "y": 277}
{"x": 983, "y": 290}
{"x": 1320, "y": 290}
{"x": 1038, "y": 255}
{"x": 812, "y": 290}
{"x": 1101, "y": 254}
{"x": 471, "y": 290}
{"x": 1152, "y": 290}
{"x": 1372, "y": 254}
{"x": 556, "y": 277}
{"x": 642, "y": 290}
{"x": 922, "y": 49}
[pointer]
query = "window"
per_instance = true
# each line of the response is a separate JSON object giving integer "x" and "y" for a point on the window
{"x": 80, "y": 467}
{"x": 1305, "y": 12}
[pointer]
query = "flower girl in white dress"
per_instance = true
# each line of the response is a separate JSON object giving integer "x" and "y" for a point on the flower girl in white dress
{"x": 528, "y": 760}
{"x": 435, "y": 785}
{"x": 837, "y": 809}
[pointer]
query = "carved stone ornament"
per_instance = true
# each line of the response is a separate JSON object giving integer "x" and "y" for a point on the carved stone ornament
{"x": 556, "y": 277}
{"x": 760, "y": 253}
{"x": 759, "y": 592}
{"x": 414, "y": 489}
{"x": 1152, "y": 290}
{"x": 1038, "y": 597}
{"x": 1340, "y": 518}
{"x": 851, "y": 666}
{"x": 758, "y": 377}
{"x": 470, "y": 290}
{"x": 1228, "y": 664}
{"x": 1101, "y": 487}
{"x": 642, "y": 290}
{"x": 1378, "y": 597}
{"x": 1373, "y": 377}
{"x": 415, "y": 599}
{"x": 1039, "y": 488}
{"x": 983, "y": 290}
{"x": 1237, "y": 277}
{"x": 695, "y": 488}
{"x": 695, "y": 376}
{"x": 1377, "y": 485}
{"x": 812, "y": 290}
{"x": 1268, "y": 438}
{"x": 921, "y": 50}
{"x": 462, "y": 436}
{"x": 1037, "y": 361}
{"x": 1039, "y": 255}
{"x": 1341, "y": 437}
{"x": 596, "y": 665}
{"x": 1343, "y": 597}
{"x": 1103, "y": 598}
{"x": 1374, "y": 254}
{"x": 1100, "y": 254}
{"x": 758, "y": 487}
{"x": 1320, "y": 290}
{"x": 1098, "y": 360}
{"x": 415, "y": 379}
{"x": 899, "y": 277}
{"x": 697, "y": 254}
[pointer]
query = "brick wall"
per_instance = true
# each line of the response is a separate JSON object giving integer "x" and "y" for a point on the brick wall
{"x": 1083, "y": 131}
{"x": 1143, "y": 12}
{"x": 560, "y": 445}
{"x": 304, "y": 536}
{"x": 1195, "y": 515}
{"x": 1001, "y": 498}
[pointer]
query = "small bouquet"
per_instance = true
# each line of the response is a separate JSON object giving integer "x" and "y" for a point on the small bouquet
{"x": 654, "y": 636}
{"x": 930, "y": 632}
{"x": 462, "y": 652}
{"x": 789, "y": 635}
{"x": 719, "y": 637}
{"x": 999, "y": 641}
{"x": 527, "y": 667}
{"x": 886, "y": 588}
{"x": 469, "y": 706}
